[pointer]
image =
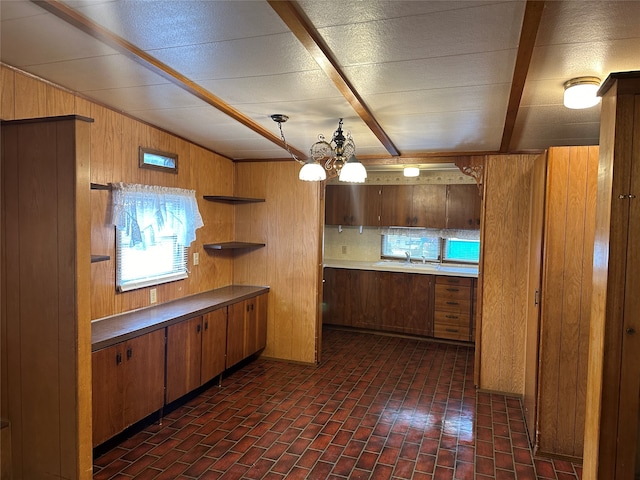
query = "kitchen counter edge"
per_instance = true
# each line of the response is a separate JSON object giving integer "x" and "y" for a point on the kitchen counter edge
{"x": 114, "y": 329}
{"x": 401, "y": 267}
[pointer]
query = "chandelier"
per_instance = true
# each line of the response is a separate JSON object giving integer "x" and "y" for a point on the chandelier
{"x": 336, "y": 157}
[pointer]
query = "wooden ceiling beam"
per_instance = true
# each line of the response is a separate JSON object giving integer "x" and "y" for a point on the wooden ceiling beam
{"x": 306, "y": 33}
{"x": 530, "y": 25}
{"x": 71, "y": 16}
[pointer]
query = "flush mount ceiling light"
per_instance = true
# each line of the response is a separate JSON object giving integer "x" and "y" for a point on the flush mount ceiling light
{"x": 411, "y": 171}
{"x": 336, "y": 156}
{"x": 581, "y": 92}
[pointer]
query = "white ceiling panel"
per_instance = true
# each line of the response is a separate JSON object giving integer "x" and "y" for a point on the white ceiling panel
{"x": 424, "y": 76}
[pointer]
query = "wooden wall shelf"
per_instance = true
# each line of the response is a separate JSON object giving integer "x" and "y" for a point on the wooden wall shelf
{"x": 232, "y": 245}
{"x": 100, "y": 186}
{"x": 230, "y": 199}
{"x": 99, "y": 258}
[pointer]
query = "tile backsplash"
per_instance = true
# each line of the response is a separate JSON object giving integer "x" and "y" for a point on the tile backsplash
{"x": 350, "y": 244}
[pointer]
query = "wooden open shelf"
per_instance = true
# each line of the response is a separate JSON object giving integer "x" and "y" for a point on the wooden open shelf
{"x": 232, "y": 245}
{"x": 230, "y": 199}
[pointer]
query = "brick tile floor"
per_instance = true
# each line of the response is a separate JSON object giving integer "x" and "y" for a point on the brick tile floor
{"x": 378, "y": 407}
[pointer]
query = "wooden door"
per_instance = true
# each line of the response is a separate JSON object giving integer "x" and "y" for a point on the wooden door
{"x": 262, "y": 304}
{"x": 235, "y": 333}
{"x": 250, "y": 328}
{"x": 108, "y": 395}
{"x": 143, "y": 380}
{"x": 463, "y": 207}
{"x": 364, "y": 299}
{"x": 429, "y": 206}
{"x": 184, "y": 344}
{"x": 365, "y": 205}
{"x": 336, "y": 294}
{"x": 392, "y": 295}
{"x": 337, "y": 205}
{"x": 396, "y": 206}
{"x": 530, "y": 397}
{"x": 419, "y": 305}
{"x": 214, "y": 343}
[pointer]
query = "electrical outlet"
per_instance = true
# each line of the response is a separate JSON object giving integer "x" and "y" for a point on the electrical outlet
{"x": 344, "y": 249}
{"x": 153, "y": 296}
{"x": 196, "y": 258}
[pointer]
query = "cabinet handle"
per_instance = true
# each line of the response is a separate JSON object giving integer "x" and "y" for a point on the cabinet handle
{"x": 453, "y": 289}
{"x": 630, "y": 331}
{"x": 252, "y": 305}
{"x": 453, "y": 280}
{"x": 453, "y": 303}
{"x": 206, "y": 325}
{"x": 451, "y": 330}
{"x": 198, "y": 328}
{"x": 129, "y": 353}
{"x": 451, "y": 316}
{"x": 118, "y": 358}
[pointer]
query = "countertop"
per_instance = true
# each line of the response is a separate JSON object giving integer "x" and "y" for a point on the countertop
{"x": 117, "y": 328}
{"x": 404, "y": 267}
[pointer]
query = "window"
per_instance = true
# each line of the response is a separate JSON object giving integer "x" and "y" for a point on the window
{"x": 154, "y": 228}
{"x": 462, "y": 251}
{"x": 396, "y": 246}
{"x": 432, "y": 245}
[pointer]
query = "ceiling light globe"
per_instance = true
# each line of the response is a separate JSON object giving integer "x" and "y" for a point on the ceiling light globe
{"x": 411, "y": 171}
{"x": 581, "y": 92}
{"x": 312, "y": 172}
{"x": 353, "y": 171}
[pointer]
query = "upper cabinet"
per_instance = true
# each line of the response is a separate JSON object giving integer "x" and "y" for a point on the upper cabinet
{"x": 414, "y": 206}
{"x": 352, "y": 205}
{"x": 426, "y": 206}
{"x": 463, "y": 207}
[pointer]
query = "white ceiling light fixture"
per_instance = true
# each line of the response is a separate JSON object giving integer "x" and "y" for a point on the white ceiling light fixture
{"x": 581, "y": 92}
{"x": 338, "y": 156}
{"x": 411, "y": 171}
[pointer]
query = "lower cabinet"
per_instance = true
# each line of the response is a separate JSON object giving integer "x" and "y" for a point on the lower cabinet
{"x": 452, "y": 310}
{"x": 247, "y": 329}
{"x": 386, "y": 301}
{"x": 136, "y": 378}
{"x": 128, "y": 383}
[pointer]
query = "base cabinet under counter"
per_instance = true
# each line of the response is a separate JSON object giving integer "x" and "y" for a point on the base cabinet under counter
{"x": 135, "y": 378}
{"x": 428, "y": 305}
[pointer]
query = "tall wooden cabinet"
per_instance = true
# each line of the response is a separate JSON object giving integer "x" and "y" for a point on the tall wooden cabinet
{"x": 46, "y": 295}
{"x": 613, "y": 385}
{"x": 352, "y": 205}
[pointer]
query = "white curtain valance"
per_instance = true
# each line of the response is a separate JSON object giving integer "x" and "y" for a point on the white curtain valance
{"x": 139, "y": 207}
{"x": 417, "y": 232}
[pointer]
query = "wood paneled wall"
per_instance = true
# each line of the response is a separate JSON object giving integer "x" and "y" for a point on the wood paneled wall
{"x": 505, "y": 266}
{"x": 289, "y": 222}
{"x": 566, "y": 298}
{"x": 115, "y": 139}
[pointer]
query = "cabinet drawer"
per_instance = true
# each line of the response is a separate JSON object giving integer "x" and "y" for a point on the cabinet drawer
{"x": 452, "y": 305}
{"x": 453, "y": 292}
{"x": 452, "y": 319}
{"x": 459, "y": 281}
{"x": 451, "y": 332}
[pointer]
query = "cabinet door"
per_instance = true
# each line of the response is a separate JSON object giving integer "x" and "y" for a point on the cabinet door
{"x": 396, "y": 206}
{"x": 262, "y": 304}
{"x": 419, "y": 305}
{"x": 463, "y": 207}
{"x": 364, "y": 301}
{"x": 336, "y": 295}
{"x": 392, "y": 298}
{"x": 365, "y": 205}
{"x": 337, "y": 205}
{"x": 214, "y": 342}
{"x": 429, "y": 206}
{"x": 184, "y": 343}
{"x": 108, "y": 396}
{"x": 235, "y": 334}
{"x": 143, "y": 382}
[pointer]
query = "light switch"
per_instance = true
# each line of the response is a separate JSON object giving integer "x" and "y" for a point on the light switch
{"x": 153, "y": 297}
{"x": 196, "y": 258}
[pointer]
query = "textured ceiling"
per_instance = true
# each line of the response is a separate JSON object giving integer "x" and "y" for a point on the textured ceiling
{"x": 410, "y": 78}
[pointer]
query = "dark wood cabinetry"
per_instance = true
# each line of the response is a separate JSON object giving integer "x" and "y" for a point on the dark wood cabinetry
{"x": 463, "y": 207}
{"x": 352, "y": 205}
{"x": 214, "y": 339}
{"x": 452, "y": 309}
{"x": 128, "y": 383}
{"x": 247, "y": 329}
{"x": 414, "y": 206}
{"x": 386, "y": 301}
{"x": 184, "y": 354}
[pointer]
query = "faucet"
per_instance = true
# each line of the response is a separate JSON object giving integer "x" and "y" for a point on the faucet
{"x": 424, "y": 259}
{"x": 408, "y": 255}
